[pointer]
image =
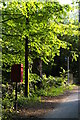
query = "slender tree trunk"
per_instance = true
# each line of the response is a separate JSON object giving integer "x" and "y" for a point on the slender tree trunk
{"x": 26, "y": 63}
{"x": 37, "y": 67}
{"x": 40, "y": 67}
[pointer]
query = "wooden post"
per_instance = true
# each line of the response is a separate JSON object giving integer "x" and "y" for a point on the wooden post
{"x": 16, "y": 97}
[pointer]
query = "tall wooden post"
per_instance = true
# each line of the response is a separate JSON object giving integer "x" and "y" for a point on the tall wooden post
{"x": 16, "y": 97}
{"x": 26, "y": 63}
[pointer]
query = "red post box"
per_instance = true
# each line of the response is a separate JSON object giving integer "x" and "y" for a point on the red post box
{"x": 17, "y": 73}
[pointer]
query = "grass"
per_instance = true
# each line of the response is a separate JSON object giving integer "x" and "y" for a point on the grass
{"x": 27, "y": 102}
{"x": 24, "y": 102}
{"x": 54, "y": 91}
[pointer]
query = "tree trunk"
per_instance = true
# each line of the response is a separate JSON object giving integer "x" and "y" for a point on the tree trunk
{"x": 26, "y": 60}
{"x": 37, "y": 67}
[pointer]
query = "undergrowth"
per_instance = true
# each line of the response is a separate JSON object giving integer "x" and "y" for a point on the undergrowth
{"x": 49, "y": 86}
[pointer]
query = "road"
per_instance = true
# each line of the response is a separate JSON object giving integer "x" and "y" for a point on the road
{"x": 68, "y": 108}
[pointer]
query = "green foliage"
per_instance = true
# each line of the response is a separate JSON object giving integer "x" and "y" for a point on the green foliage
{"x": 27, "y": 102}
{"x": 53, "y": 91}
{"x": 56, "y": 91}
{"x": 50, "y": 85}
{"x": 7, "y": 115}
{"x": 43, "y": 40}
{"x": 63, "y": 75}
{"x": 48, "y": 28}
{"x": 41, "y": 92}
{"x": 54, "y": 81}
{"x": 8, "y": 96}
{"x": 34, "y": 78}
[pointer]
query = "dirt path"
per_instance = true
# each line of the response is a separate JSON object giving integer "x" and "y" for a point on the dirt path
{"x": 68, "y": 108}
{"x": 46, "y": 105}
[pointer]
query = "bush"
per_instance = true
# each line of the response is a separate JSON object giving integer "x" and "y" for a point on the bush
{"x": 41, "y": 92}
{"x": 48, "y": 84}
{"x": 26, "y": 102}
{"x": 7, "y": 115}
{"x": 34, "y": 82}
{"x": 8, "y": 96}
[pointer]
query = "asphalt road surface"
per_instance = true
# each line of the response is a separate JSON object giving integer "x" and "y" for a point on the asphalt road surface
{"x": 68, "y": 108}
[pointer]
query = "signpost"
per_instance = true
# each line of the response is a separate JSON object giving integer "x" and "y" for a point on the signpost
{"x": 16, "y": 76}
{"x": 68, "y": 68}
{"x": 67, "y": 59}
{"x": 16, "y": 97}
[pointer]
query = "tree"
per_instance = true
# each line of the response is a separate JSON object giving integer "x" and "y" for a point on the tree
{"x": 44, "y": 28}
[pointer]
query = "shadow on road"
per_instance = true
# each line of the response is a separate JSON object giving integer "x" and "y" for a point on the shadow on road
{"x": 65, "y": 111}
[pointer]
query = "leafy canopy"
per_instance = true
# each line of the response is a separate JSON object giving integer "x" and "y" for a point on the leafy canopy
{"x": 42, "y": 23}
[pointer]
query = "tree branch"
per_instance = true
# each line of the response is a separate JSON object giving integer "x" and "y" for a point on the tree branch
{"x": 10, "y": 35}
{"x": 10, "y": 19}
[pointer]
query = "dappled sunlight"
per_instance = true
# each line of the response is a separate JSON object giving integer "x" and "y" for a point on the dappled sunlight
{"x": 65, "y": 110}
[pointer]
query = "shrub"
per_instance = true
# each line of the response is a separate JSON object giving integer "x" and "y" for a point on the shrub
{"x": 34, "y": 81}
{"x": 25, "y": 102}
